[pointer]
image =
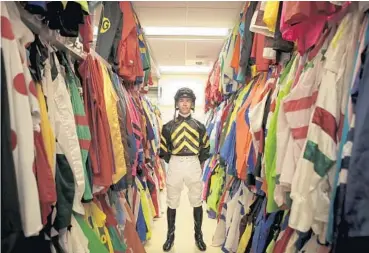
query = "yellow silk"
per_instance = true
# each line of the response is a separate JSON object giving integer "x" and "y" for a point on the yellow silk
{"x": 111, "y": 100}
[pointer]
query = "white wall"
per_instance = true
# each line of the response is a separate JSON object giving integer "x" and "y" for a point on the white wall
{"x": 153, "y": 97}
{"x": 169, "y": 84}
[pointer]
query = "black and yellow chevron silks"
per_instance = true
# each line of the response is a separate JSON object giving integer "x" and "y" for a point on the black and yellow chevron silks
{"x": 163, "y": 144}
{"x": 206, "y": 141}
{"x": 185, "y": 136}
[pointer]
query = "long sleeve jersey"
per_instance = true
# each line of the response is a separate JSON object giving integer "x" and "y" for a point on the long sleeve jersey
{"x": 184, "y": 137}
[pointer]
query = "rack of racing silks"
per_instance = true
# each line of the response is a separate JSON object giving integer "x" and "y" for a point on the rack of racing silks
{"x": 82, "y": 171}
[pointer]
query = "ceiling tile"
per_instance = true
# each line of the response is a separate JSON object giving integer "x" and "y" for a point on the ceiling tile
{"x": 164, "y": 61}
{"x": 193, "y": 4}
{"x": 212, "y": 17}
{"x": 161, "y": 16}
{"x": 167, "y": 52}
{"x": 160, "y": 4}
{"x": 203, "y": 50}
{"x": 216, "y": 5}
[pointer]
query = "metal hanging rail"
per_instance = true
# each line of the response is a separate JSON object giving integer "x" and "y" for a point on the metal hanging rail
{"x": 54, "y": 38}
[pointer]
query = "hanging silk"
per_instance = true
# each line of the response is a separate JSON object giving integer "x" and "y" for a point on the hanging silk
{"x": 111, "y": 100}
{"x": 83, "y": 130}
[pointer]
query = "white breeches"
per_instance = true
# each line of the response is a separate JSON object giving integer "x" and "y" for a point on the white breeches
{"x": 187, "y": 170}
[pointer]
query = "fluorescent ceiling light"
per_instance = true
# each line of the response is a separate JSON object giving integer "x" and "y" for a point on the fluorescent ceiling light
{"x": 184, "y": 69}
{"x": 189, "y": 31}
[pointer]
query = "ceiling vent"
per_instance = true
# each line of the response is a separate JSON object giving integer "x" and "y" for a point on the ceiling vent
{"x": 197, "y": 62}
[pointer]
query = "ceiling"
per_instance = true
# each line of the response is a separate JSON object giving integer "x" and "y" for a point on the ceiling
{"x": 197, "y": 50}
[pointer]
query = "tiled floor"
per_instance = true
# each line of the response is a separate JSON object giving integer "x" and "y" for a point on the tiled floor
{"x": 184, "y": 236}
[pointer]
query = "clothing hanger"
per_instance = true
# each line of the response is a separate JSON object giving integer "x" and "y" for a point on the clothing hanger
{"x": 338, "y": 16}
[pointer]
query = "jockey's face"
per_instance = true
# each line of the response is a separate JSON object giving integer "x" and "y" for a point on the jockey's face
{"x": 184, "y": 105}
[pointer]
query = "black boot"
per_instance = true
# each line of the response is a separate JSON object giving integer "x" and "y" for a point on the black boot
{"x": 197, "y": 215}
{"x": 171, "y": 218}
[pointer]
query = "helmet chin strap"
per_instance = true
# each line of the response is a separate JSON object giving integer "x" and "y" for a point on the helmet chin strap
{"x": 185, "y": 115}
{"x": 182, "y": 114}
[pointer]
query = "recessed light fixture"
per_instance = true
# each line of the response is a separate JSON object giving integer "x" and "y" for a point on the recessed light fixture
{"x": 185, "y": 69}
{"x": 185, "y": 31}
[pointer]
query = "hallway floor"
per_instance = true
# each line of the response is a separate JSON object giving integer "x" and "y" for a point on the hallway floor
{"x": 184, "y": 236}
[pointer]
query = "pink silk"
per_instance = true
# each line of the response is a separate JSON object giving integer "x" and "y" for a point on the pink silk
{"x": 303, "y": 22}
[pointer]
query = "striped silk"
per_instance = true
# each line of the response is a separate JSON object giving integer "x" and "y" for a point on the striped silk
{"x": 184, "y": 137}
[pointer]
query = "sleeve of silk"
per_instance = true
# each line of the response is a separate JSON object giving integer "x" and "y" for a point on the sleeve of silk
{"x": 204, "y": 145}
{"x": 165, "y": 152}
